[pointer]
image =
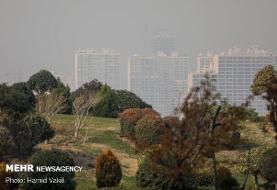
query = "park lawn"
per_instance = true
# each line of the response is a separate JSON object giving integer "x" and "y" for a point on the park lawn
{"x": 104, "y": 133}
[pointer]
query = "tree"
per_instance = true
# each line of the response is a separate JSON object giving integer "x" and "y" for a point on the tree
{"x": 268, "y": 165}
{"x": 130, "y": 117}
{"x": 107, "y": 105}
{"x": 148, "y": 131}
{"x": 52, "y": 157}
{"x": 205, "y": 129}
{"x": 64, "y": 90}
{"x": 42, "y": 82}
{"x": 51, "y": 104}
{"x": 81, "y": 106}
{"x": 148, "y": 178}
{"x": 128, "y": 120}
{"x": 108, "y": 170}
{"x": 250, "y": 163}
{"x": 265, "y": 84}
{"x": 91, "y": 87}
{"x": 6, "y": 143}
{"x": 23, "y": 88}
{"x": 27, "y": 132}
{"x": 16, "y": 98}
{"x": 128, "y": 99}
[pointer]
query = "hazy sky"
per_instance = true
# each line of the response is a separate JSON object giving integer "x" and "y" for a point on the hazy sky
{"x": 36, "y": 34}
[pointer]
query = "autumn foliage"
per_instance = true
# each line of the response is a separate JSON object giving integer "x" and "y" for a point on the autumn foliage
{"x": 108, "y": 170}
{"x": 148, "y": 130}
{"x": 130, "y": 117}
{"x": 207, "y": 127}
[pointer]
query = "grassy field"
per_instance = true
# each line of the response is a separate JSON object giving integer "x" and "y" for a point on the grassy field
{"x": 104, "y": 133}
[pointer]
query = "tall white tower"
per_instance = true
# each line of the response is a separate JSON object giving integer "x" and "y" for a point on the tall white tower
{"x": 100, "y": 64}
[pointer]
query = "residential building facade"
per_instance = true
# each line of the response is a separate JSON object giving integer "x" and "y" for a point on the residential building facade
{"x": 159, "y": 79}
{"x": 234, "y": 71}
{"x": 100, "y": 64}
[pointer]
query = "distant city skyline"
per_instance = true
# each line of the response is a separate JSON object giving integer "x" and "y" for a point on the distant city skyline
{"x": 37, "y": 34}
{"x": 234, "y": 70}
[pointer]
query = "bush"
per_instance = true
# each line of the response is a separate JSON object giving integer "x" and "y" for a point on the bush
{"x": 28, "y": 132}
{"x": 108, "y": 170}
{"x": 130, "y": 117}
{"x": 148, "y": 130}
{"x": 107, "y": 105}
{"x": 3, "y": 176}
{"x": 128, "y": 100}
{"x": 149, "y": 111}
{"x": 268, "y": 165}
{"x": 146, "y": 177}
{"x": 6, "y": 142}
{"x": 225, "y": 180}
{"x": 128, "y": 120}
{"x": 171, "y": 121}
{"x": 52, "y": 158}
{"x": 16, "y": 98}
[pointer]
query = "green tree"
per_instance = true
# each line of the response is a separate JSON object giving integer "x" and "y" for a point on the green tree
{"x": 16, "y": 98}
{"x": 6, "y": 142}
{"x": 27, "y": 132}
{"x": 128, "y": 99}
{"x": 91, "y": 87}
{"x": 149, "y": 178}
{"x": 268, "y": 165}
{"x": 64, "y": 91}
{"x": 265, "y": 84}
{"x": 52, "y": 158}
{"x": 42, "y": 81}
{"x": 23, "y": 88}
{"x": 107, "y": 105}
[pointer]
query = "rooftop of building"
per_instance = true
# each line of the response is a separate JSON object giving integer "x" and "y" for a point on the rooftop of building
{"x": 104, "y": 51}
{"x": 174, "y": 54}
{"x": 254, "y": 50}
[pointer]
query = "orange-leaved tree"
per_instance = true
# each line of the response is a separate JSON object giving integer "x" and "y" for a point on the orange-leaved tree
{"x": 207, "y": 127}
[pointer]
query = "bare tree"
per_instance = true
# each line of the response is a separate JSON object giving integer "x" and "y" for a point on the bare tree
{"x": 81, "y": 106}
{"x": 50, "y": 104}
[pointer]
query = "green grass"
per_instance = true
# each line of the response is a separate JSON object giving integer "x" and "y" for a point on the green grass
{"x": 126, "y": 183}
{"x": 105, "y": 133}
{"x": 112, "y": 139}
{"x": 101, "y": 132}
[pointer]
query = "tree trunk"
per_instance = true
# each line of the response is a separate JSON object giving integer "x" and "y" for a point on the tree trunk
{"x": 245, "y": 180}
{"x": 247, "y": 170}
{"x": 214, "y": 171}
{"x": 86, "y": 135}
{"x": 256, "y": 181}
{"x": 76, "y": 134}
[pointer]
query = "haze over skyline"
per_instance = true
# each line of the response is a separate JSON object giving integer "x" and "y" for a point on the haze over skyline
{"x": 37, "y": 34}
